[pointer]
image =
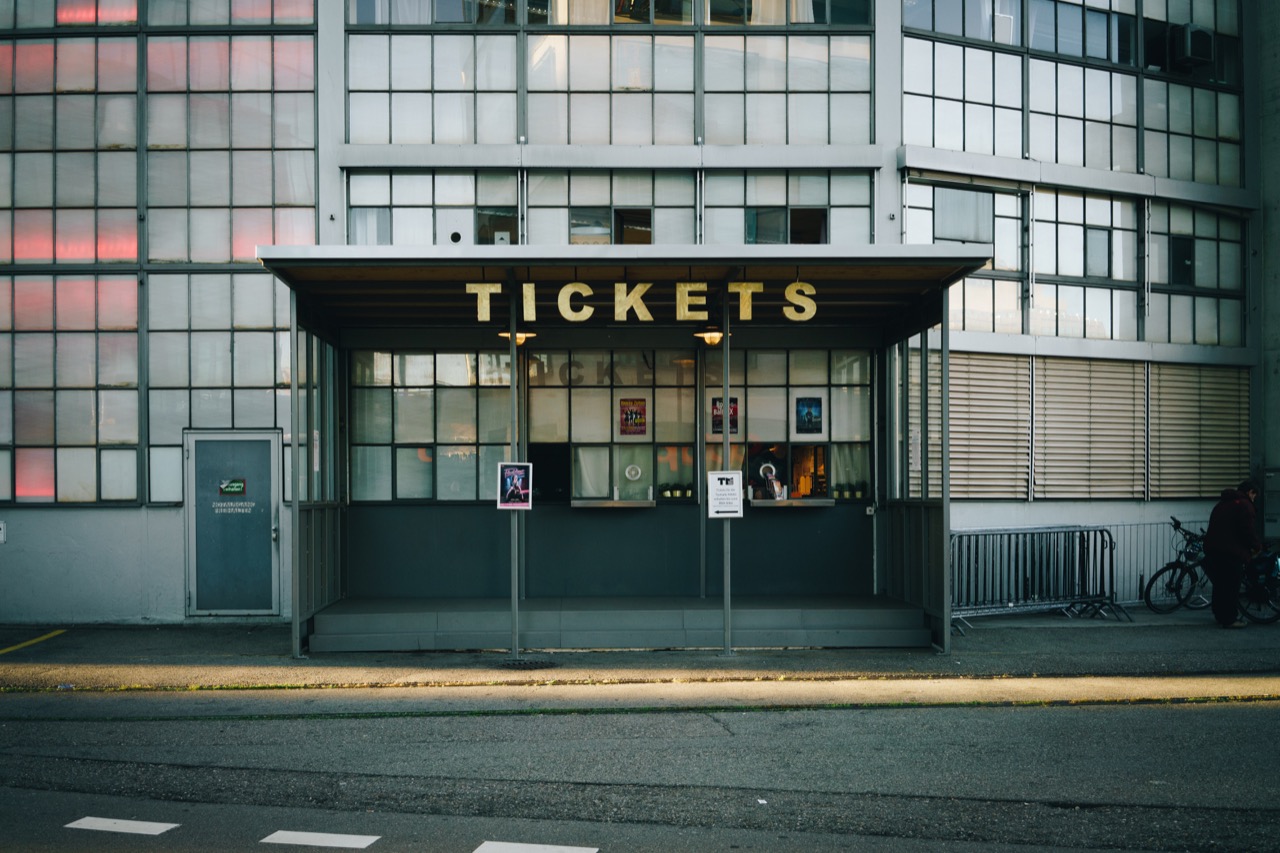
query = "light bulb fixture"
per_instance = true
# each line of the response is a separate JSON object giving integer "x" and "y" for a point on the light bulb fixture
{"x": 521, "y": 337}
{"x": 711, "y": 334}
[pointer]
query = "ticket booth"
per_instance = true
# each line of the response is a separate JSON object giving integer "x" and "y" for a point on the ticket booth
{"x": 621, "y": 375}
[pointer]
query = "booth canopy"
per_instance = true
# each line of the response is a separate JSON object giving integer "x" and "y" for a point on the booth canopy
{"x": 897, "y": 289}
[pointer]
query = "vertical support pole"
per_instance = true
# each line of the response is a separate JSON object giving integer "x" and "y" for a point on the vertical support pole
{"x": 295, "y": 423}
{"x": 725, "y": 462}
{"x": 514, "y": 455}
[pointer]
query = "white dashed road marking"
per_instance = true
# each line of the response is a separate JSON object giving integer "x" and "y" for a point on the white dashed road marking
{"x": 321, "y": 839}
{"x": 508, "y": 847}
{"x": 107, "y": 824}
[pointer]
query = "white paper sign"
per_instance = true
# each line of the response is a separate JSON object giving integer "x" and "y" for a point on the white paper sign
{"x": 724, "y": 494}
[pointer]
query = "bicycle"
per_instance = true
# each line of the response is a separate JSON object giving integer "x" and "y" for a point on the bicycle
{"x": 1260, "y": 589}
{"x": 1181, "y": 582}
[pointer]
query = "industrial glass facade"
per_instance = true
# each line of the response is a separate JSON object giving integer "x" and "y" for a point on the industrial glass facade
{"x": 148, "y": 148}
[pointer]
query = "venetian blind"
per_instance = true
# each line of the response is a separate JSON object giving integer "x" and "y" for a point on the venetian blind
{"x": 1089, "y": 428}
{"x": 1199, "y": 429}
{"x": 924, "y": 446}
{"x": 990, "y": 425}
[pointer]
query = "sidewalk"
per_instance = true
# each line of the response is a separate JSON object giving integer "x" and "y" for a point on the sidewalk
{"x": 1041, "y": 646}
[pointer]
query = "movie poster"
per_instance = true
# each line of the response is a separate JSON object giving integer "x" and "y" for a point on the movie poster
{"x": 515, "y": 485}
{"x": 633, "y": 417}
{"x": 717, "y": 415}
{"x": 808, "y": 415}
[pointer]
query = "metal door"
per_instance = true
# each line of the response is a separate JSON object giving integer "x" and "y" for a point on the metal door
{"x": 233, "y": 523}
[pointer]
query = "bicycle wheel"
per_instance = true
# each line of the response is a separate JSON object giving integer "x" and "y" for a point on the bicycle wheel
{"x": 1201, "y": 593}
{"x": 1260, "y": 598}
{"x": 1169, "y": 587}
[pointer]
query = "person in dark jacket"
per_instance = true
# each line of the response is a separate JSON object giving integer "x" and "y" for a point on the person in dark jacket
{"x": 1231, "y": 541}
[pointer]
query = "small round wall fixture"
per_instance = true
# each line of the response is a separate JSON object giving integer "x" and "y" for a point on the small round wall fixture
{"x": 633, "y": 472}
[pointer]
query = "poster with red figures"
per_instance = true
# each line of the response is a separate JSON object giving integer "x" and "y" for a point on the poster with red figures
{"x": 633, "y": 417}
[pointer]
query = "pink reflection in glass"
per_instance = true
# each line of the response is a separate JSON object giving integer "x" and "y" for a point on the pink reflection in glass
{"x": 250, "y": 227}
{"x": 73, "y": 12}
{"x": 295, "y": 11}
{"x": 117, "y": 235}
{"x": 33, "y": 67}
{"x": 33, "y": 236}
{"x": 117, "y": 11}
{"x": 33, "y": 303}
{"x": 250, "y": 11}
{"x": 75, "y": 238}
{"x": 34, "y": 474}
{"x": 295, "y": 63}
{"x": 251, "y": 63}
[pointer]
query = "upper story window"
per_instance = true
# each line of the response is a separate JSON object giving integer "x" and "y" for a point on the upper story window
{"x": 559, "y": 13}
{"x": 999, "y": 21}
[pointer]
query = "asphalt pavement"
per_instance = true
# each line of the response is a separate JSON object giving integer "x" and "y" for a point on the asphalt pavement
{"x": 1004, "y": 659}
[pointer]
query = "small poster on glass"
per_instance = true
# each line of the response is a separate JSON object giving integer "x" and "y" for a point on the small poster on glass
{"x": 808, "y": 415}
{"x": 632, "y": 416}
{"x": 717, "y": 415}
{"x": 515, "y": 485}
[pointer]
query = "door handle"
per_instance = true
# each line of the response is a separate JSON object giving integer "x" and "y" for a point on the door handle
{"x": 275, "y": 533}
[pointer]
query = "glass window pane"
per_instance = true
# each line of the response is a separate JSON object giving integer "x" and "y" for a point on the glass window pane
{"x": 851, "y": 413}
{"x": 456, "y": 414}
{"x": 767, "y": 419}
{"x": 415, "y": 472}
{"x": 548, "y": 415}
{"x": 591, "y": 472}
{"x": 371, "y": 415}
{"x": 495, "y": 415}
{"x": 118, "y": 474}
{"x": 77, "y": 475}
{"x": 456, "y": 472}
{"x": 591, "y": 415}
{"x": 371, "y": 473}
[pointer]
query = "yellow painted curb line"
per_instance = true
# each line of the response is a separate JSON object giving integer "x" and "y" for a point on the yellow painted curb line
{"x": 50, "y": 635}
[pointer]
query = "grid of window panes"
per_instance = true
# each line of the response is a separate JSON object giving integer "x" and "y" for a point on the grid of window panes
{"x": 422, "y": 89}
{"x": 424, "y": 208}
{"x": 218, "y": 358}
{"x": 570, "y": 208}
{"x": 787, "y": 207}
{"x": 961, "y": 98}
{"x": 230, "y": 145}
{"x": 428, "y": 425}
{"x": 634, "y": 89}
{"x": 991, "y": 300}
{"x": 1092, "y": 240}
{"x": 68, "y": 133}
{"x": 599, "y": 89}
{"x": 1082, "y": 109}
{"x": 612, "y": 424}
{"x": 68, "y": 388}
{"x": 807, "y": 416}
{"x": 1191, "y": 133}
{"x": 608, "y": 12}
{"x": 1197, "y": 276}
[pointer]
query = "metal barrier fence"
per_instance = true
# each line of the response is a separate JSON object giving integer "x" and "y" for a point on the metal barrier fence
{"x": 1079, "y": 570}
{"x": 1033, "y": 569}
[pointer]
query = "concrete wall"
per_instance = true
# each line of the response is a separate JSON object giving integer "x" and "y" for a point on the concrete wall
{"x": 122, "y": 566}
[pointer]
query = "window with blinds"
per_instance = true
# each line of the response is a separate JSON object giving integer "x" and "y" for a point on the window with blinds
{"x": 990, "y": 426}
{"x": 924, "y": 444}
{"x": 1199, "y": 429}
{"x": 1090, "y": 430}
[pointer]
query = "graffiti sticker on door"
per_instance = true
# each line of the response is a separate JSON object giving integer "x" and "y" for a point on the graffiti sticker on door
{"x": 235, "y": 486}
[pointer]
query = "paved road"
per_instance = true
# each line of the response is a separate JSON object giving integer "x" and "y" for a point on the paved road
{"x": 1033, "y": 734}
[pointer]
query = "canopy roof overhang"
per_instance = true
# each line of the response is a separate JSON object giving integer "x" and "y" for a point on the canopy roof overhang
{"x": 896, "y": 289}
